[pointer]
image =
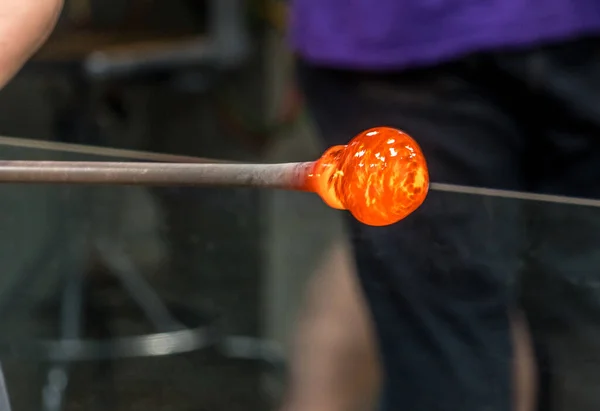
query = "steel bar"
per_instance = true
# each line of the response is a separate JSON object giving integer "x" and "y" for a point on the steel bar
{"x": 282, "y": 176}
{"x": 516, "y": 195}
{"x": 103, "y": 151}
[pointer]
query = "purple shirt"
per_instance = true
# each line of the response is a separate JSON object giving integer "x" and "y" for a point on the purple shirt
{"x": 392, "y": 34}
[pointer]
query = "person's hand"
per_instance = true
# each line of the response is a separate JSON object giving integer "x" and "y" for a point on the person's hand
{"x": 24, "y": 26}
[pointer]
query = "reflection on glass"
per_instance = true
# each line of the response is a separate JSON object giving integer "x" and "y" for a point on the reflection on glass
{"x": 110, "y": 295}
{"x": 145, "y": 294}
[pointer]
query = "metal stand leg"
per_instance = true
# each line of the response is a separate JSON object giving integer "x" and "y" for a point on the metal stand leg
{"x": 4, "y": 397}
{"x": 71, "y": 318}
{"x": 71, "y": 309}
{"x": 142, "y": 293}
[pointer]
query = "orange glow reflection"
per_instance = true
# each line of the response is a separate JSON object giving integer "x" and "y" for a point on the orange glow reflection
{"x": 380, "y": 176}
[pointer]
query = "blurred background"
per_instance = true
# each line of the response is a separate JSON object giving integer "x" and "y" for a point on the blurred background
{"x": 191, "y": 299}
{"x": 123, "y": 267}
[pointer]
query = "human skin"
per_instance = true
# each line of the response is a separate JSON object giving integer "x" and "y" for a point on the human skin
{"x": 24, "y": 27}
{"x": 334, "y": 363}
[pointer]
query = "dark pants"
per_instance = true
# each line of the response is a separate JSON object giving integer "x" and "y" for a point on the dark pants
{"x": 440, "y": 283}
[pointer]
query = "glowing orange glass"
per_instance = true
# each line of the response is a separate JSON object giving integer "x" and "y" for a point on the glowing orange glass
{"x": 380, "y": 176}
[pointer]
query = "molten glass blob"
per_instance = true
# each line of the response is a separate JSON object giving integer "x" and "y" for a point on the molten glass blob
{"x": 380, "y": 176}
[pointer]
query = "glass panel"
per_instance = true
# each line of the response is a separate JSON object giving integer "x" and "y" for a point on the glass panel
{"x": 182, "y": 289}
{"x": 156, "y": 290}
{"x": 540, "y": 257}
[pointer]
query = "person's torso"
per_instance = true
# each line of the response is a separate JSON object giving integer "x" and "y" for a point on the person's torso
{"x": 391, "y": 34}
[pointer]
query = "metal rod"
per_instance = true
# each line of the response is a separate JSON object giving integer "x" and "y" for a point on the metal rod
{"x": 516, "y": 195}
{"x": 103, "y": 151}
{"x": 284, "y": 176}
{"x": 290, "y": 176}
